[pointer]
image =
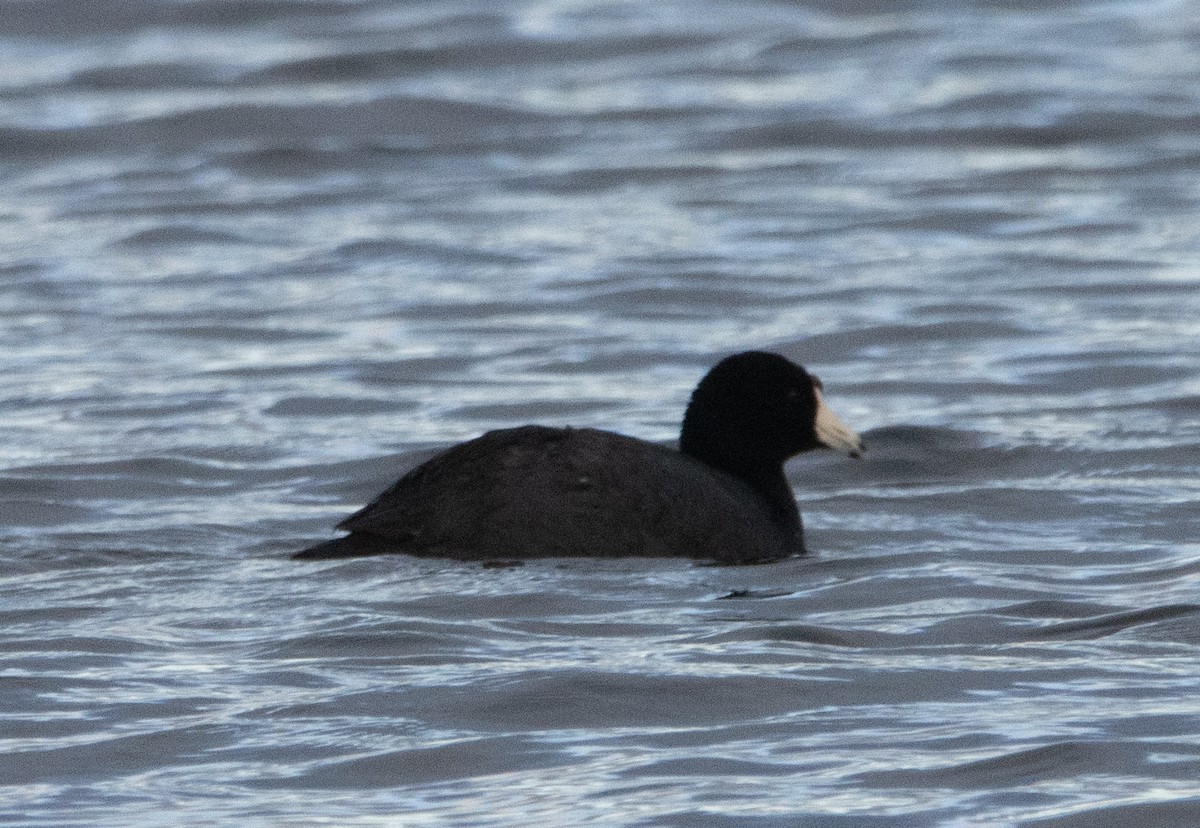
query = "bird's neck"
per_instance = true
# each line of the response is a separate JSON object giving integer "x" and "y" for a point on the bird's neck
{"x": 767, "y": 480}
{"x": 771, "y": 485}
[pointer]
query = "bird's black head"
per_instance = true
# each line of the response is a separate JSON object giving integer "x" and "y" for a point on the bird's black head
{"x": 754, "y": 410}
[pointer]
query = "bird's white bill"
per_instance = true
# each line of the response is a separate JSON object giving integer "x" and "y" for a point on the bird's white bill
{"x": 832, "y": 432}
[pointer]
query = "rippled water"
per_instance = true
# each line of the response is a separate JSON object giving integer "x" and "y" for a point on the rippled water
{"x": 257, "y": 258}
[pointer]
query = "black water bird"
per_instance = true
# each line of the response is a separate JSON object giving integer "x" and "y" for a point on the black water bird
{"x": 538, "y": 492}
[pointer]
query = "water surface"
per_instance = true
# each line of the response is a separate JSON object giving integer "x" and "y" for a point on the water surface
{"x": 257, "y": 259}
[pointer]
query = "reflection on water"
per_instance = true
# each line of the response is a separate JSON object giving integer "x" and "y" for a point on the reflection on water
{"x": 258, "y": 259}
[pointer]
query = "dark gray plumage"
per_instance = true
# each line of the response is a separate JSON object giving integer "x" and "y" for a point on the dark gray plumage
{"x": 536, "y": 492}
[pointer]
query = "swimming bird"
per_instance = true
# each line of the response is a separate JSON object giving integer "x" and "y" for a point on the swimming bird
{"x": 538, "y": 492}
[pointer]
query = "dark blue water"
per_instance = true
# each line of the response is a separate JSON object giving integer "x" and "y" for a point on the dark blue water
{"x": 258, "y": 258}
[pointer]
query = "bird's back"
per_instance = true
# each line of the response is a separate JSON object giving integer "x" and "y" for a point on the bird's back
{"x": 536, "y": 492}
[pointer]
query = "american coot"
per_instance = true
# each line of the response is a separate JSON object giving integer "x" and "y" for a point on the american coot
{"x": 537, "y": 492}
